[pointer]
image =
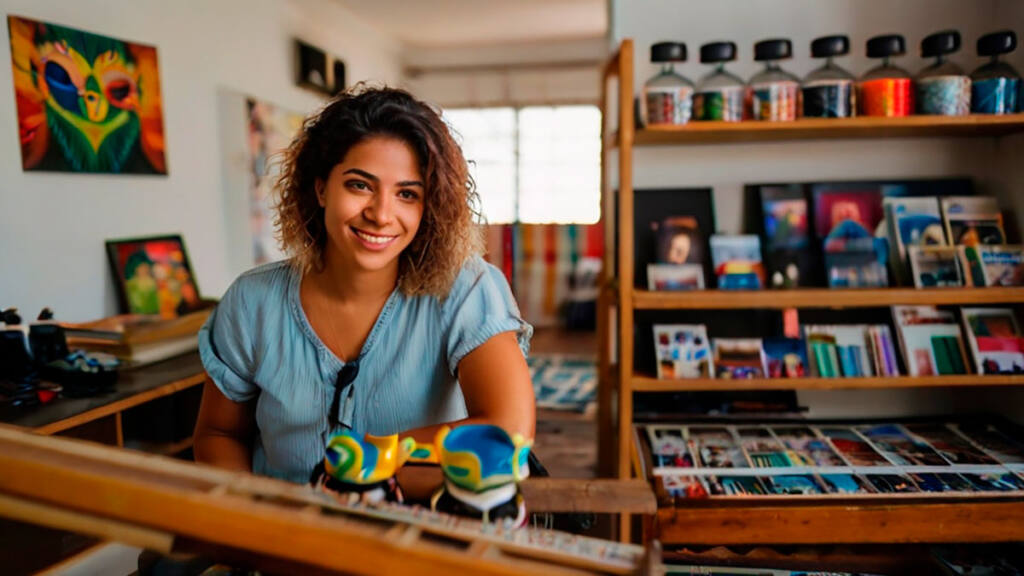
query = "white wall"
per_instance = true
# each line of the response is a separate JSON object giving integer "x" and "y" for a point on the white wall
{"x": 994, "y": 164}
{"x": 54, "y": 224}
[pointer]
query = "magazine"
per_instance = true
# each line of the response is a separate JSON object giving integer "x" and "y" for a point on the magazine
{"x": 805, "y": 448}
{"x": 786, "y": 236}
{"x": 973, "y": 220}
{"x": 739, "y": 358}
{"x": 716, "y": 447}
{"x": 763, "y": 449}
{"x": 899, "y": 447}
{"x": 682, "y": 351}
{"x": 993, "y": 265}
{"x": 785, "y": 357}
{"x": 853, "y": 447}
{"x": 737, "y": 261}
{"x": 931, "y": 340}
{"x": 912, "y": 222}
{"x": 935, "y": 266}
{"x": 675, "y": 277}
{"x": 995, "y": 340}
{"x": 837, "y": 211}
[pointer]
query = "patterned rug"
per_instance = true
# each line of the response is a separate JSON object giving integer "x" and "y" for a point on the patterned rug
{"x": 563, "y": 382}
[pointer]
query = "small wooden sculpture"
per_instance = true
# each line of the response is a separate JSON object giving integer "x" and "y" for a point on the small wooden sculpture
{"x": 482, "y": 468}
{"x": 360, "y": 468}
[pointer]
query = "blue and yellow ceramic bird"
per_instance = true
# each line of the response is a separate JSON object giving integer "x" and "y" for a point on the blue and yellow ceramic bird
{"x": 482, "y": 466}
{"x": 362, "y": 465}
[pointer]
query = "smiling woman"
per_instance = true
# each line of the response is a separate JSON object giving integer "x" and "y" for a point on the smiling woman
{"x": 384, "y": 320}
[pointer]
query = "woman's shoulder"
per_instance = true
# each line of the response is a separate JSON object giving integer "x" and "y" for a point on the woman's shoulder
{"x": 477, "y": 279}
{"x": 265, "y": 278}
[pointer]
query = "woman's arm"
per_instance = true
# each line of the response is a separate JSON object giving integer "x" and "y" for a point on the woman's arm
{"x": 496, "y": 385}
{"x": 224, "y": 430}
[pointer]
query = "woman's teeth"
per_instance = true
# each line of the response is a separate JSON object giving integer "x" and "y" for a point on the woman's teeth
{"x": 374, "y": 239}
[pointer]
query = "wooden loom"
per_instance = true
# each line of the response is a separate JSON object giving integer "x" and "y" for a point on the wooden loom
{"x": 173, "y": 506}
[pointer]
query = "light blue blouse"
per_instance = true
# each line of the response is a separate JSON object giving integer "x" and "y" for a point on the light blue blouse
{"x": 258, "y": 343}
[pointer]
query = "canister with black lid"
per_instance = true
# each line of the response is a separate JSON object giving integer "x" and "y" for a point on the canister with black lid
{"x": 774, "y": 91}
{"x": 828, "y": 91}
{"x": 720, "y": 94}
{"x": 885, "y": 90}
{"x": 996, "y": 86}
{"x": 668, "y": 96}
{"x": 942, "y": 88}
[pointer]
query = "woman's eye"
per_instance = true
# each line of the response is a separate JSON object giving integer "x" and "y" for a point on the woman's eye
{"x": 358, "y": 185}
{"x": 408, "y": 195}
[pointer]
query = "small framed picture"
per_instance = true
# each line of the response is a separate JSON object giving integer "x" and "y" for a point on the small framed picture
{"x": 675, "y": 277}
{"x": 153, "y": 276}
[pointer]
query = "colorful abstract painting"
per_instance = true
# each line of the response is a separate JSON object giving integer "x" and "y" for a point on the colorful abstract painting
{"x": 86, "y": 103}
{"x": 271, "y": 130}
{"x": 153, "y": 276}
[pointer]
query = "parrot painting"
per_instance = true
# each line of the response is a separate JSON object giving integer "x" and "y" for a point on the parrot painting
{"x": 86, "y": 103}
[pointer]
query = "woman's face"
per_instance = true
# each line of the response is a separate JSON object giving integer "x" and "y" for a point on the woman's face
{"x": 373, "y": 203}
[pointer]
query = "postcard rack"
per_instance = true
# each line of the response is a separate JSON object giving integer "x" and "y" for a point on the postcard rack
{"x": 167, "y": 505}
{"x": 619, "y": 300}
{"x": 921, "y": 481}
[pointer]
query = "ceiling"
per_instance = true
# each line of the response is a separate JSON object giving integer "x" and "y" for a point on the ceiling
{"x": 449, "y": 23}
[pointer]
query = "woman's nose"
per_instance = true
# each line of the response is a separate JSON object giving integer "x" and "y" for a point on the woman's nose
{"x": 381, "y": 208}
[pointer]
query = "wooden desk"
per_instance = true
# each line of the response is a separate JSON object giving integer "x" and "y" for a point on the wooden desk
{"x": 99, "y": 418}
{"x": 67, "y": 416}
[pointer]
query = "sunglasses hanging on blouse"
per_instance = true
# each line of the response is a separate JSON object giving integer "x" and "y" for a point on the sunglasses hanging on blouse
{"x": 346, "y": 376}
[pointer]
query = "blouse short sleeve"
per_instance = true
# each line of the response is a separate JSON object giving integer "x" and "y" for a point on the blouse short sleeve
{"x": 226, "y": 346}
{"x": 479, "y": 306}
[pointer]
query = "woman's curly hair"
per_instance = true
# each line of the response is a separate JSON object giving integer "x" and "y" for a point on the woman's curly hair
{"x": 448, "y": 234}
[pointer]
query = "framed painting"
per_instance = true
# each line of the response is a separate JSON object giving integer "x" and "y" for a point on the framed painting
{"x": 153, "y": 276}
{"x": 85, "y": 102}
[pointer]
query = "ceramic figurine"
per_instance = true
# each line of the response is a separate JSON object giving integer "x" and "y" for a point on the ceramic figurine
{"x": 482, "y": 468}
{"x": 362, "y": 468}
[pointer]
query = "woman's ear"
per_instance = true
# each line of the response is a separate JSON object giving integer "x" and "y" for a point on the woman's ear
{"x": 319, "y": 186}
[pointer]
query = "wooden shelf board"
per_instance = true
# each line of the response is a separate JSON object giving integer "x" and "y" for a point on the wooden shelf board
{"x": 829, "y": 129}
{"x": 162, "y": 448}
{"x": 649, "y": 384}
{"x": 823, "y": 298}
{"x": 842, "y": 522}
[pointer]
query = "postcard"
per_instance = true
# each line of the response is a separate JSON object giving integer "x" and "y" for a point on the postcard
{"x": 935, "y": 266}
{"x": 739, "y": 358}
{"x": 737, "y": 261}
{"x": 995, "y": 340}
{"x": 675, "y": 277}
{"x": 716, "y": 447}
{"x": 735, "y": 486}
{"x": 682, "y": 351}
{"x": 668, "y": 447}
{"x": 931, "y": 340}
{"x": 791, "y": 484}
{"x": 785, "y": 217}
{"x": 973, "y": 220}
{"x": 762, "y": 448}
{"x": 1000, "y": 446}
{"x": 846, "y": 484}
{"x": 998, "y": 482}
{"x": 805, "y": 448}
{"x": 953, "y": 447}
{"x": 892, "y": 483}
{"x": 786, "y": 357}
{"x": 913, "y": 222}
{"x": 942, "y": 482}
{"x": 854, "y": 448}
{"x": 678, "y": 486}
{"x": 1000, "y": 265}
{"x": 899, "y": 447}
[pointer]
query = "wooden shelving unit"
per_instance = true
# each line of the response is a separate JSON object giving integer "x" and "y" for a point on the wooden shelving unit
{"x": 830, "y": 129}
{"x": 779, "y": 522}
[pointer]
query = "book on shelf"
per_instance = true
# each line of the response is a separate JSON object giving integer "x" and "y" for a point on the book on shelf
{"x": 737, "y": 261}
{"x": 935, "y": 266}
{"x": 911, "y": 222}
{"x": 138, "y": 339}
{"x": 931, "y": 341}
{"x": 683, "y": 351}
{"x": 992, "y": 265}
{"x": 786, "y": 357}
{"x": 679, "y": 241}
{"x": 739, "y": 358}
{"x": 675, "y": 277}
{"x": 850, "y": 351}
{"x": 973, "y": 220}
{"x": 995, "y": 340}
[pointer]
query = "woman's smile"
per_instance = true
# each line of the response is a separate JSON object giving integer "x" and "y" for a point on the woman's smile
{"x": 371, "y": 240}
